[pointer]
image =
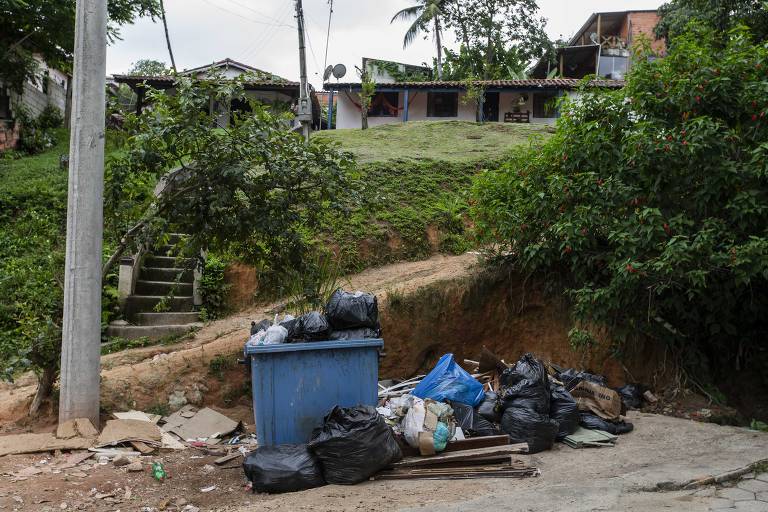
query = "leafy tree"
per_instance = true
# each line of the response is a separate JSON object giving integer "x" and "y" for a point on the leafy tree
{"x": 48, "y": 27}
{"x": 497, "y": 35}
{"x": 651, "y": 203}
{"x": 426, "y": 15}
{"x": 253, "y": 184}
{"x": 720, "y": 15}
{"x": 367, "y": 91}
{"x": 148, "y": 67}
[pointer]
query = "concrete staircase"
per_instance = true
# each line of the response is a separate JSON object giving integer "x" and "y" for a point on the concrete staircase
{"x": 162, "y": 278}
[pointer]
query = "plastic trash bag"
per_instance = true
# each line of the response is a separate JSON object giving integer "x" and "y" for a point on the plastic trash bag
{"x": 361, "y": 333}
{"x": 563, "y": 409}
{"x": 257, "y": 339}
{"x": 490, "y": 408}
{"x": 449, "y": 381}
{"x": 347, "y": 310}
{"x": 526, "y": 385}
{"x": 471, "y": 423}
{"x": 261, "y": 326}
{"x": 283, "y": 468}
{"x": 275, "y": 335}
{"x": 631, "y": 395}
{"x": 594, "y": 422}
{"x": 311, "y": 327}
{"x": 571, "y": 377}
{"x": 526, "y": 426}
{"x": 353, "y": 444}
{"x": 413, "y": 423}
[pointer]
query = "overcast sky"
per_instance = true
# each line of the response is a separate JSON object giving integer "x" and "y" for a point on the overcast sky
{"x": 262, "y": 33}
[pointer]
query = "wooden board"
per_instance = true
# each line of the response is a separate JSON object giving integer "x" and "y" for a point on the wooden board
{"x": 473, "y": 443}
{"x": 518, "y": 470}
{"x": 463, "y": 455}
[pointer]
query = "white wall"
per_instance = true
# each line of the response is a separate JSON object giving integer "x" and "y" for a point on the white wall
{"x": 348, "y": 115}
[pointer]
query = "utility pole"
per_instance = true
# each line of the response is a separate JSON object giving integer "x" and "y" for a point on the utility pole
{"x": 304, "y": 111}
{"x": 81, "y": 329}
{"x": 167, "y": 37}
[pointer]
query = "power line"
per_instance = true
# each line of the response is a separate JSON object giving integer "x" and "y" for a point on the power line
{"x": 260, "y": 41}
{"x": 328, "y": 35}
{"x": 255, "y": 11}
{"x": 209, "y": 2}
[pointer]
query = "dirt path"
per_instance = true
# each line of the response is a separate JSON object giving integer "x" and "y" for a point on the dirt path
{"x": 145, "y": 377}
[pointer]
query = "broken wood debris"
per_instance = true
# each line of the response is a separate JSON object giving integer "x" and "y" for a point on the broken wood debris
{"x": 462, "y": 456}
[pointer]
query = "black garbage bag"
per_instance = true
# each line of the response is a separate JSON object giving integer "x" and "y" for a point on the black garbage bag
{"x": 290, "y": 326}
{"x": 588, "y": 420}
{"x": 571, "y": 377}
{"x": 563, "y": 409}
{"x": 361, "y": 333}
{"x": 490, "y": 407}
{"x": 471, "y": 423}
{"x": 347, "y": 310}
{"x": 261, "y": 326}
{"x": 311, "y": 327}
{"x": 283, "y": 468}
{"x": 526, "y": 385}
{"x": 631, "y": 395}
{"x": 353, "y": 444}
{"x": 526, "y": 426}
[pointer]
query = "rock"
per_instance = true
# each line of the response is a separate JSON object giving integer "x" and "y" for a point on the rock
{"x": 121, "y": 460}
{"x": 190, "y": 508}
{"x": 180, "y": 502}
{"x": 208, "y": 468}
{"x": 194, "y": 396}
{"x": 63, "y": 505}
{"x": 177, "y": 400}
{"x": 135, "y": 466}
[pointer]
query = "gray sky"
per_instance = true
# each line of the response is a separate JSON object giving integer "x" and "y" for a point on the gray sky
{"x": 262, "y": 33}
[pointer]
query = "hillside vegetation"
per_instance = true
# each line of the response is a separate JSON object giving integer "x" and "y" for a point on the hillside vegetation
{"x": 412, "y": 187}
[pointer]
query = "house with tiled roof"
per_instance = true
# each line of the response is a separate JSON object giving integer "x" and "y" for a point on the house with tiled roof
{"x": 601, "y": 48}
{"x": 262, "y": 86}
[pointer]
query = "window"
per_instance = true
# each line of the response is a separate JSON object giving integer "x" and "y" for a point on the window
{"x": 544, "y": 105}
{"x": 613, "y": 67}
{"x": 5, "y": 104}
{"x": 442, "y": 104}
{"x": 384, "y": 104}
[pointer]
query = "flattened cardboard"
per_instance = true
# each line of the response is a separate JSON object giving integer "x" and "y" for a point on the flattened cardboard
{"x": 201, "y": 425}
{"x": 122, "y": 431}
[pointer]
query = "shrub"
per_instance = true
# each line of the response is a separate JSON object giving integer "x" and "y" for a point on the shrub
{"x": 650, "y": 203}
{"x": 213, "y": 288}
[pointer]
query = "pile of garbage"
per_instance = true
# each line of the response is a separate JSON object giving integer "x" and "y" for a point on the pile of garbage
{"x": 347, "y": 316}
{"x": 452, "y": 424}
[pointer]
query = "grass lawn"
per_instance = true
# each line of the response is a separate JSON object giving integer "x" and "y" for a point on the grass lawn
{"x": 445, "y": 141}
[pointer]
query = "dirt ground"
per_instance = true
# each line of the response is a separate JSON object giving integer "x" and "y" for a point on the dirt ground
{"x": 660, "y": 452}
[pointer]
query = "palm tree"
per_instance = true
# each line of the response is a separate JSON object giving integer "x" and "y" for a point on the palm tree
{"x": 425, "y": 12}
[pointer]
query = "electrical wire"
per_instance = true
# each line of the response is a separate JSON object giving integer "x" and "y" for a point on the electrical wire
{"x": 260, "y": 41}
{"x": 244, "y": 6}
{"x": 328, "y": 36}
{"x": 210, "y": 2}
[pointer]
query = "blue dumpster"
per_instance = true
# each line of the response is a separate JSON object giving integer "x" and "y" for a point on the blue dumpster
{"x": 296, "y": 384}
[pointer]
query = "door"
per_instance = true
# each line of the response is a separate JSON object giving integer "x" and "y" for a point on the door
{"x": 491, "y": 107}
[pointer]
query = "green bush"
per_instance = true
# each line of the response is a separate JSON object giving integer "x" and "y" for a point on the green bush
{"x": 213, "y": 288}
{"x": 650, "y": 203}
{"x": 38, "y": 134}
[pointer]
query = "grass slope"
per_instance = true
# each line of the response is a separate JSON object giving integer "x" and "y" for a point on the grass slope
{"x": 413, "y": 187}
{"x": 446, "y": 141}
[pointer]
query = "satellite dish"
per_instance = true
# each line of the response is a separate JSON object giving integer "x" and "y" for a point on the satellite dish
{"x": 593, "y": 38}
{"x": 339, "y": 70}
{"x": 327, "y": 73}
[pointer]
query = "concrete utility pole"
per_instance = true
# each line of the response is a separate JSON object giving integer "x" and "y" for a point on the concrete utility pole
{"x": 81, "y": 330}
{"x": 304, "y": 111}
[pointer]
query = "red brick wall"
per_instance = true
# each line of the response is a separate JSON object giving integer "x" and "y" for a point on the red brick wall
{"x": 9, "y": 135}
{"x": 643, "y": 23}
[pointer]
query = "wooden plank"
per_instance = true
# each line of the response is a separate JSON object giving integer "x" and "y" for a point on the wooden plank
{"x": 143, "y": 448}
{"x": 227, "y": 458}
{"x": 463, "y": 455}
{"x": 472, "y": 443}
{"x": 519, "y": 471}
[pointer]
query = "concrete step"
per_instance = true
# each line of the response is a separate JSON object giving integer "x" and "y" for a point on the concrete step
{"x": 136, "y": 304}
{"x": 169, "y": 262}
{"x": 162, "y": 288}
{"x": 165, "y": 250}
{"x": 153, "y": 332}
{"x": 167, "y": 318}
{"x": 166, "y": 274}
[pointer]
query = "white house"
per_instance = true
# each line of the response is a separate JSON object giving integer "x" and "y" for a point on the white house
{"x": 48, "y": 87}
{"x": 262, "y": 86}
{"x": 512, "y": 101}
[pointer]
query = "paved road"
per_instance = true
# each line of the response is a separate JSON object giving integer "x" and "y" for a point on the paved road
{"x": 661, "y": 450}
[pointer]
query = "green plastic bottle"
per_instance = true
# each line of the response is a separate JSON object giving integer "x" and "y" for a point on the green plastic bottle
{"x": 158, "y": 471}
